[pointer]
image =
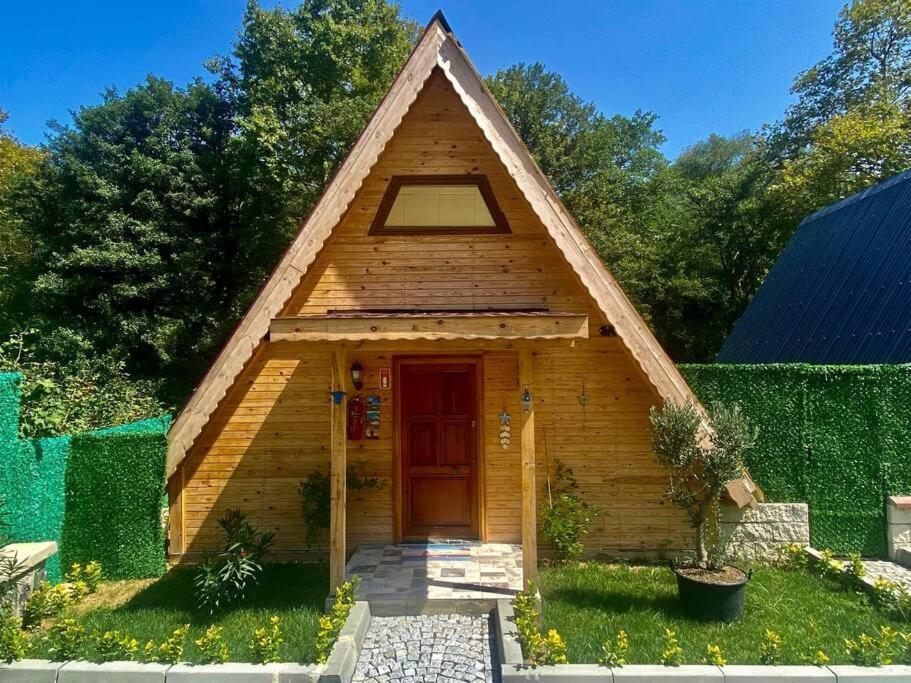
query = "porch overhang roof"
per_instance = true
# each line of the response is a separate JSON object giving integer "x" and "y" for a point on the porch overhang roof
{"x": 357, "y": 326}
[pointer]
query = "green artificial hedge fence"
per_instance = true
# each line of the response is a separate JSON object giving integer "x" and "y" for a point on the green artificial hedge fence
{"x": 87, "y": 492}
{"x": 835, "y": 437}
{"x": 113, "y": 511}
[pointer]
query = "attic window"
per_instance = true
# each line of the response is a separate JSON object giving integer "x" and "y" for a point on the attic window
{"x": 438, "y": 205}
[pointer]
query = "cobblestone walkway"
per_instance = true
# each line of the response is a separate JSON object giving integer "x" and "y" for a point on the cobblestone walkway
{"x": 890, "y": 570}
{"x": 419, "y": 649}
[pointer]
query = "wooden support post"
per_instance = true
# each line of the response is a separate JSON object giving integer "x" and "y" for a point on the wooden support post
{"x": 529, "y": 491}
{"x": 337, "y": 475}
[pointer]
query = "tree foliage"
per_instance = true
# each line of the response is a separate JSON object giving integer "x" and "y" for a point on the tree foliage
{"x": 136, "y": 237}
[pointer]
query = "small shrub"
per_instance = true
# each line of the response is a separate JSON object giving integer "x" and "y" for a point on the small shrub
{"x": 614, "y": 653}
{"x": 13, "y": 643}
{"x": 816, "y": 658}
{"x": 92, "y": 575}
{"x": 868, "y": 650}
{"x": 536, "y": 648}
{"x": 891, "y": 597}
{"x": 672, "y": 654}
{"x": 212, "y": 647}
{"x": 770, "y": 648}
{"x": 793, "y": 556}
{"x": 330, "y": 624}
{"x": 904, "y": 648}
{"x": 565, "y": 518}
{"x": 171, "y": 650}
{"x": 226, "y": 580}
{"x": 65, "y": 640}
{"x": 714, "y": 655}
{"x": 828, "y": 567}
{"x": 314, "y": 493}
{"x": 266, "y": 642}
{"x": 112, "y": 646}
{"x": 84, "y": 580}
{"x": 852, "y": 572}
{"x": 46, "y": 601}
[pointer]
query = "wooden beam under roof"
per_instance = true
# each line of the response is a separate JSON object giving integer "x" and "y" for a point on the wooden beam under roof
{"x": 439, "y": 325}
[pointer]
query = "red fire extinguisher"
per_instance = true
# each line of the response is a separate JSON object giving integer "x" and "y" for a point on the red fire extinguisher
{"x": 356, "y": 417}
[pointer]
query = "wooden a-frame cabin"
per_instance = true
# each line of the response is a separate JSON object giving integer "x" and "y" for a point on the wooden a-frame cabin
{"x": 440, "y": 264}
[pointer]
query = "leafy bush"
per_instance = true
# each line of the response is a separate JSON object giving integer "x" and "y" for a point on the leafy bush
{"x": 565, "y": 517}
{"x": 770, "y": 648}
{"x": 13, "y": 644}
{"x": 872, "y": 650}
{"x": 225, "y": 580}
{"x": 331, "y": 624}
{"x": 714, "y": 655}
{"x": 78, "y": 395}
{"x": 212, "y": 647}
{"x": 315, "y": 499}
{"x": 89, "y": 577}
{"x": 112, "y": 646}
{"x": 793, "y": 556}
{"x": 171, "y": 650}
{"x": 46, "y": 601}
{"x": 65, "y": 640}
{"x": 672, "y": 655}
{"x": 266, "y": 643}
{"x": 614, "y": 653}
{"x": 10, "y": 568}
{"x": 538, "y": 649}
{"x": 699, "y": 471}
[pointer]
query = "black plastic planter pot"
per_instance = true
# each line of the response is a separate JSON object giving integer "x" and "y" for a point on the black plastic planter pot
{"x": 711, "y": 601}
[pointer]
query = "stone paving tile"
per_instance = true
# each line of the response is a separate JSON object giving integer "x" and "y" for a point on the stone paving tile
{"x": 890, "y": 570}
{"x": 419, "y": 649}
{"x": 480, "y": 570}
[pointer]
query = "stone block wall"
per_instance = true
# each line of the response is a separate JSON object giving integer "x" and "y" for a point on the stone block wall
{"x": 757, "y": 534}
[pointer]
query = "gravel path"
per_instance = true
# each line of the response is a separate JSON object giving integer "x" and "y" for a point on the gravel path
{"x": 418, "y": 649}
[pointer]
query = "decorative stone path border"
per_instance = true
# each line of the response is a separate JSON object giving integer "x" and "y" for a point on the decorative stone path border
{"x": 338, "y": 669}
{"x": 514, "y": 669}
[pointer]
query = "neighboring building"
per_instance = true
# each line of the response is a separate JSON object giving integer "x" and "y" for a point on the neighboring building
{"x": 441, "y": 266}
{"x": 840, "y": 292}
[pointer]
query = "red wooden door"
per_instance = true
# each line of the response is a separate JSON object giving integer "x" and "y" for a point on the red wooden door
{"x": 438, "y": 449}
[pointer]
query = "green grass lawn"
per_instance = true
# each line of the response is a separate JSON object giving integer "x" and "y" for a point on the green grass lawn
{"x": 151, "y": 610}
{"x": 590, "y": 602}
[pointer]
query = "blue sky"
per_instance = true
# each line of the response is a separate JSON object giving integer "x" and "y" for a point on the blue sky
{"x": 710, "y": 66}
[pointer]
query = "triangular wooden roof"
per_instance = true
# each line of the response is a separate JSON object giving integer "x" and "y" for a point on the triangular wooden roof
{"x": 438, "y": 47}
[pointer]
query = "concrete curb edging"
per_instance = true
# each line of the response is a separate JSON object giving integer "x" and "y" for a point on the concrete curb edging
{"x": 343, "y": 658}
{"x": 43, "y": 671}
{"x": 513, "y": 668}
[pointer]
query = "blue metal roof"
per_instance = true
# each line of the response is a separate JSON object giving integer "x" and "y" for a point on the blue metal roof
{"x": 841, "y": 290}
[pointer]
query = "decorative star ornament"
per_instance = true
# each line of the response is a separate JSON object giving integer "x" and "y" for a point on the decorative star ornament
{"x": 504, "y": 418}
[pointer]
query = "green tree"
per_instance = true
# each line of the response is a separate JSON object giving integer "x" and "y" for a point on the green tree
{"x": 16, "y": 162}
{"x": 303, "y": 82}
{"x": 604, "y": 168}
{"x": 159, "y": 212}
{"x": 871, "y": 55}
{"x": 130, "y": 212}
{"x": 718, "y": 232}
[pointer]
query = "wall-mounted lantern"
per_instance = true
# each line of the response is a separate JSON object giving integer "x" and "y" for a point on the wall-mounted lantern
{"x": 357, "y": 374}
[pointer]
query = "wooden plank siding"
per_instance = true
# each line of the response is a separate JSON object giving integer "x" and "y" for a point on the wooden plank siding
{"x": 273, "y": 426}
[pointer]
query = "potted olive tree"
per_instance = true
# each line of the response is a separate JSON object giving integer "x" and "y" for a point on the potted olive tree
{"x": 700, "y": 463}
